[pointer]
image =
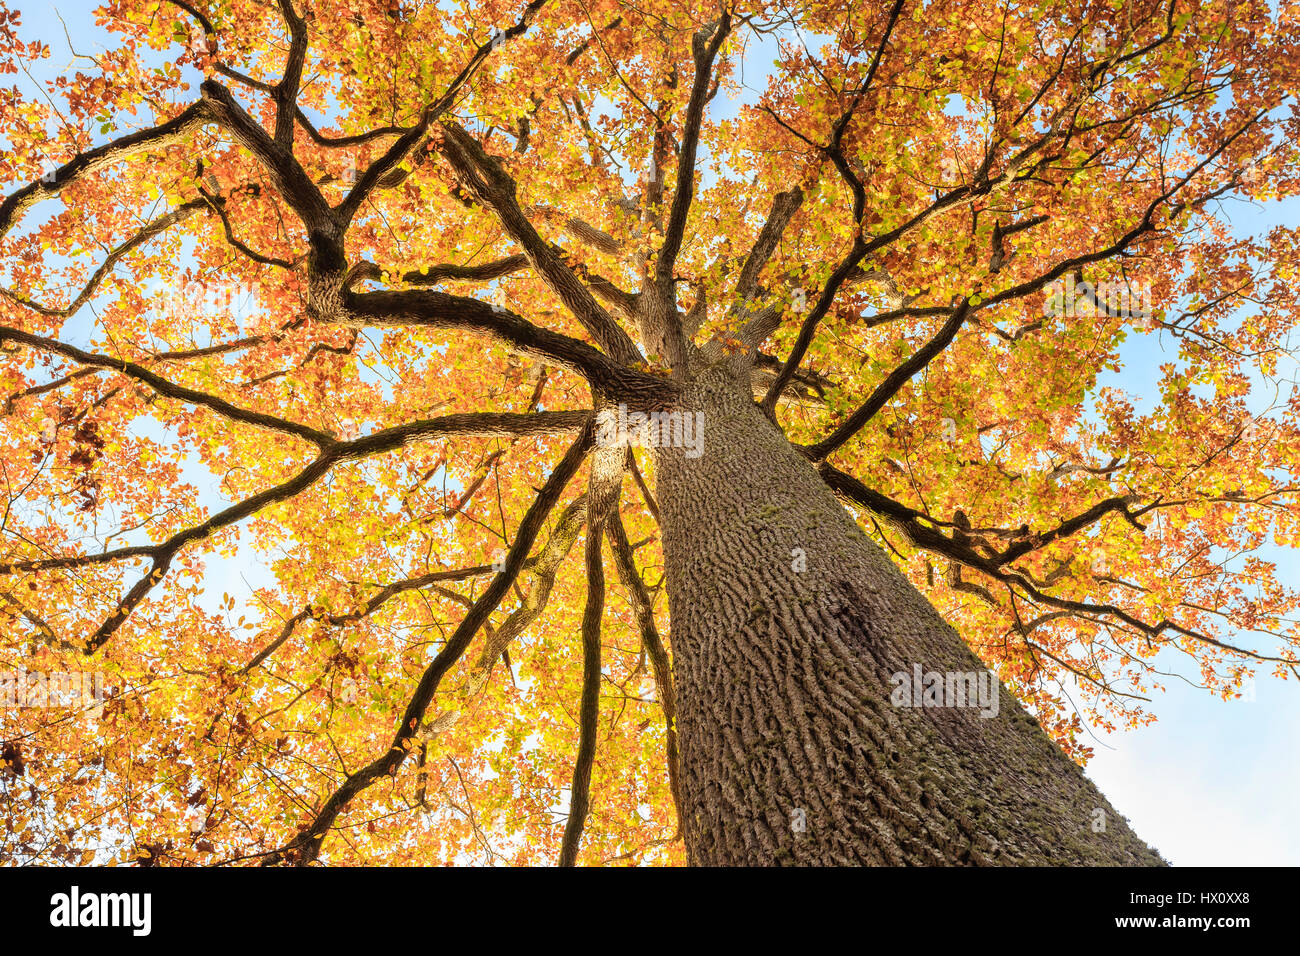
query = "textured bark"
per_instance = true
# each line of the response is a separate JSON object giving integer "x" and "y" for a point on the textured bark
{"x": 783, "y": 679}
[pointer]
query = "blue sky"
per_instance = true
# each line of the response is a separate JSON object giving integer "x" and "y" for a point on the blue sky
{"x": 1210, "y": 783}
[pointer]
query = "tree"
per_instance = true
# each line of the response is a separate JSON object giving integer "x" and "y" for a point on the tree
{"x": 434, "y": 292}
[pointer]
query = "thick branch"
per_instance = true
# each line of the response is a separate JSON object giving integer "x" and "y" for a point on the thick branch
{"x": 286, "y": 91}
{"x": 784, "y": 206}
{"x": 704, "y": 47}
{"x": 490, "y": 184}
{"x": 438, "y": 310}
{"x": 444, "y": 272}
{"x": 101, "y": 157}
{"x": 287, "y": 175}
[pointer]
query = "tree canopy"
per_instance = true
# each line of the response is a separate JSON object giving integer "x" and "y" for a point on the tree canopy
{"x": 338, "y": 285}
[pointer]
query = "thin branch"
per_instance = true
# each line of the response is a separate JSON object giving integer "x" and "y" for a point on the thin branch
{"x": 415, "y": 138}
{"x": 218, "y": 205}
{"x": 606, "y": 479}
{"x": 378, "y": 600}
{"x": 908, "y": 522}
{"x": 306, "y": 847}
{"x": 891, "y": 385}
{"x": 151, "y": 230}
{"x": 639, "y": 598}
{"x": 162, "y": 554}
{"x": 163, "y": 387}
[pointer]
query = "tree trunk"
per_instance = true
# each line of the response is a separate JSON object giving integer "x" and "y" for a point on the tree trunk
{"x": 788, "y": 628}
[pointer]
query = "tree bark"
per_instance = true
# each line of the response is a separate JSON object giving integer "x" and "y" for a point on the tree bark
{"x": 788, "y": 625}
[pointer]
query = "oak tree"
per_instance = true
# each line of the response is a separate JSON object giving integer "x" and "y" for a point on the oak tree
{"x": 606, "y": 402}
